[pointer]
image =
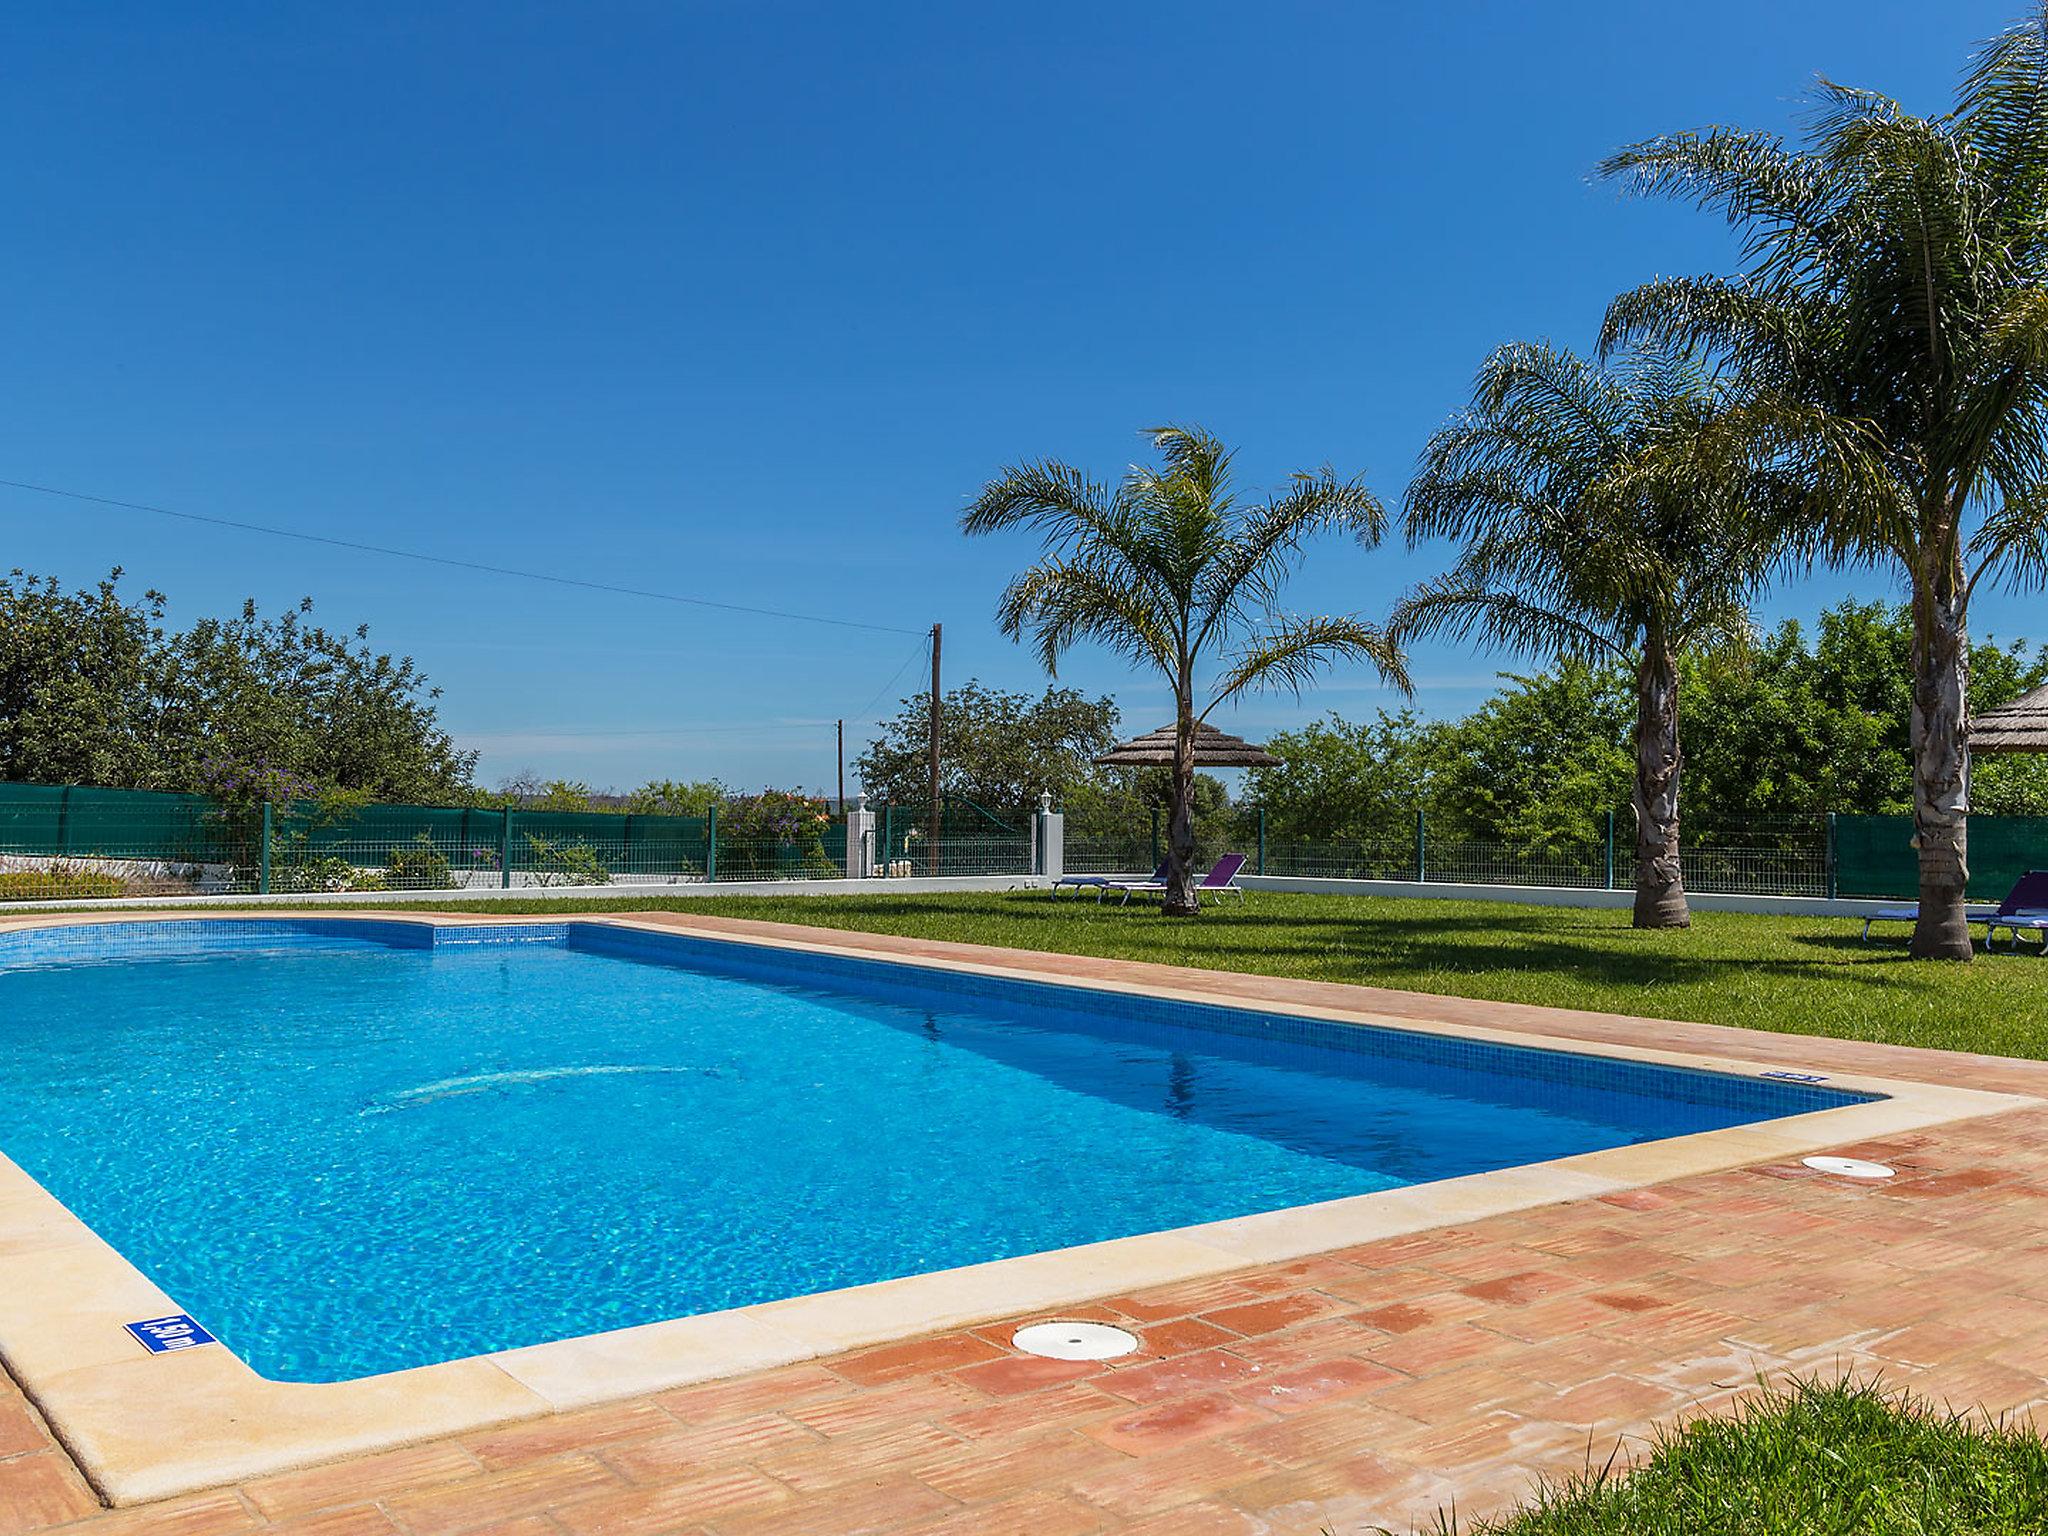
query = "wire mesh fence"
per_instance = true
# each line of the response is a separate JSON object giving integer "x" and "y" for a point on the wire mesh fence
{"x": 59, "y": 843}
{"x": 74, "y": 843}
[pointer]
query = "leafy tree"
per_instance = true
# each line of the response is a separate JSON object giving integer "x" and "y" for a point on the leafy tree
{"x": 674, "y": 797}
{"x": 1591, "y": 529}
{"x": 95, "y": 689}
{"x": 1354, "y": 782}
{"x": 997, "y": 748}
{"x": 1537, "y": 766}
{"x": 1805, "y": 720}
{"x": 1171, "y": 570}
{"x": 1891, "y": 327}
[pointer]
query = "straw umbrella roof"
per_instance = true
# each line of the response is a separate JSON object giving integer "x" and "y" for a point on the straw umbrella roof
{"x": 1213, "y": 749}
{"x": 2021, "y": 726}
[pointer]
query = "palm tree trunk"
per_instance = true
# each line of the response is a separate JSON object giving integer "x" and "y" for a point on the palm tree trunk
{"x": 1941, "y": 676}
{"x": 1181, "y": 900}
{"x": 1660, "y": 882}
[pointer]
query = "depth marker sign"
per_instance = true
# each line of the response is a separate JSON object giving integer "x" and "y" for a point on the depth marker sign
{"x": 162, "y": 1335}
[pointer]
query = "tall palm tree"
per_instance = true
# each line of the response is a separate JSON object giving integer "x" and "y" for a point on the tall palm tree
{"x": 1172, "y": 570}
{"x": 1891, "y": 322}
{"x": 1595, "y": 526}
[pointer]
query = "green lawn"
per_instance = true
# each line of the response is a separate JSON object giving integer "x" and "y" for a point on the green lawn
{"x": 1803, "y": 974}
{"x": 1834, "y": 1460}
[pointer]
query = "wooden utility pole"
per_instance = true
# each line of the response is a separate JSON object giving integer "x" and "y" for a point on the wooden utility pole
{"x": 932, "y": 830}
{"x": 842, "y": 767}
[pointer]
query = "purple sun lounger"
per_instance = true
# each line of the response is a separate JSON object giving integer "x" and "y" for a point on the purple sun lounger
{"x": 2024, "y": 911}
{"x": 1222, "y": 877}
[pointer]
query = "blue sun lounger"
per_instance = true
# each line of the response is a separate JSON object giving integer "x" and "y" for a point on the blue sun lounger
{"x": 1099, "y": 883}
{"x": 2025, "y": 906}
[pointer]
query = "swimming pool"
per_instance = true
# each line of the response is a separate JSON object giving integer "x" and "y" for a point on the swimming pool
{"x": 349, "y": 1147}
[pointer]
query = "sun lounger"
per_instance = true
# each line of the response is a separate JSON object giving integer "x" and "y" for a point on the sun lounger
{"x": 1222, "y": 877}
{"x": 2027, "y": 900}
{"x": 2024, "y": 911}
{"x": 1097, "y": 883}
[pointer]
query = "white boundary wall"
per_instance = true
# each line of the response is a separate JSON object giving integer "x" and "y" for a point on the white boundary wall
{"x": 1433, "y": 890}
{"x": 623, "y": 891}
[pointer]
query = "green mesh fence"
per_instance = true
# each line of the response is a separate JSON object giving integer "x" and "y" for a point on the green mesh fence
{"x": 58, "y": 842}
{"x": 1874, "y": 855}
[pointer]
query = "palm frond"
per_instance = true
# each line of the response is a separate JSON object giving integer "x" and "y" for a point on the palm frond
{"x": 1290, "y": 653}
{"x": 1247, "y": 572}
{"x": 1060, "y": 602}
{"x": 1455, "y": 607}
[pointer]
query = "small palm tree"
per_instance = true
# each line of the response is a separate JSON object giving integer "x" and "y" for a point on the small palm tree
{"x": 1594, "y": 527}
{"x": 1173, "y": 571}
{"x": 1891, "y": 325}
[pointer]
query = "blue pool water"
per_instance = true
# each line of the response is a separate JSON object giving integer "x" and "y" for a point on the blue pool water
{"x": 345, "y": 1150}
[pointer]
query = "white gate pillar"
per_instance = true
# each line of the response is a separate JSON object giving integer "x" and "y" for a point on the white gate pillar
{"x": 1049, "y": 847}
{"x": 860, "y": 840}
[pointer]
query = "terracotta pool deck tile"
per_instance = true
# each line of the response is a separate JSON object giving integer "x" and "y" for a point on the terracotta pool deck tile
{"x": 532, "y": 1525}
{"x": 1275, "y": 1313}
{"x": 1133, "y": 1488}
{"x": 580, "y": 1429}
{"x": 1438, "y": 1349}
{"x": 686, "y": 1502}
{"x": 972, "y": 1473}
{"x": 1207, "y": 1371}
{"x": 363, "y": 1479}
{"x": 1182, "y": 1336}
{"x": 224, "y": 1513}
{"x": 1296, "y": 1390}
{"x": 1038, "y": 1410}
{"x": 1175, "y": 1423}
{"x": 1558, "y": 1318}
{"x": 1200, "y": 1520}
{"x": 1014, "y": 1375}
{"x": 1171, "y": 1301}
{"x": 680, "y": 1450}
{"x": 1451, "y": 1396}
{"x": 555, "y": 1486}
{"x": 41, "y": 1490}
{"x": 920, "y": 1357}
{"x": 898, "y": 1403}
{"x": 788, "y": 1388}
{"x": 1331, "y": 1432}
{"x": 902, "y": 1448}
{"x": 1032, "y": 1514}
{"x": 368, "y": 1520}
{"x": 888, "y": 1505}
{"x": 1525, "y": 1286}
{"x": 1332, "y": 1338}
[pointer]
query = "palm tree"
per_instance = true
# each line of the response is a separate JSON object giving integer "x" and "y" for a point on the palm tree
{"x": 1594, "y": 527}
{"x": 1171, "y": 570}
{"x": 1891, "y": 325}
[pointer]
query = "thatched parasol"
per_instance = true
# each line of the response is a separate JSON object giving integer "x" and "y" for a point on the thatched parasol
{"x": 1213, "y": 749}
{"x": 2021, "y": 726}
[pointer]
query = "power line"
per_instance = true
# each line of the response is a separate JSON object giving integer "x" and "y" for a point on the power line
{"x": 464, "y": 565}
{"x": 917, "y": 652}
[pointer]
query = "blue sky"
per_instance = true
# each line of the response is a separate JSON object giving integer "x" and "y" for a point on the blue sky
{"x": 745, "y": 301}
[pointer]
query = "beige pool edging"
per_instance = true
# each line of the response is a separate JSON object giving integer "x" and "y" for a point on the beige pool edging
{"x": 147, "y": 1426}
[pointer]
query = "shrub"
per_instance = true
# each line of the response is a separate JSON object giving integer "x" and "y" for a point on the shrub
{"x": 778, "y": 834}
{"x": 420, "y": 866}
{"x": 305, "y": 873}
{"x": 573, "y": 862}
{"x": 59, "y": 881}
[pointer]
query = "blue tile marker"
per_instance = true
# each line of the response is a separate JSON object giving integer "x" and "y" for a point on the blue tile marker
{"x": 162, "y": 1335}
